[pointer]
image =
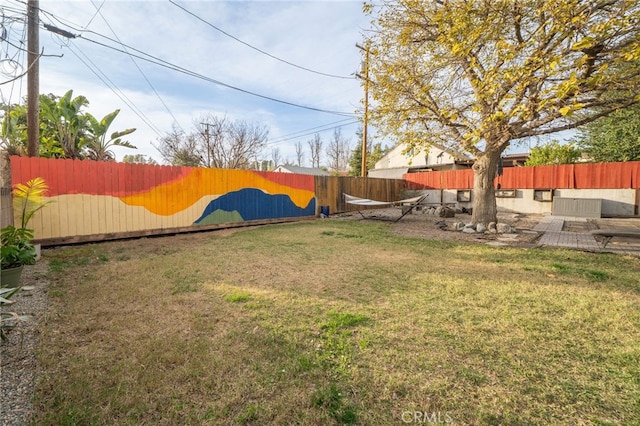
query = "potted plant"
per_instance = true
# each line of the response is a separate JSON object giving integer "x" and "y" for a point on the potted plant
{"x": 17, "y": 249}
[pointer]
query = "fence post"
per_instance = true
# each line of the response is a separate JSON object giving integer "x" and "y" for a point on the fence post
{"x": 6, "y": 202}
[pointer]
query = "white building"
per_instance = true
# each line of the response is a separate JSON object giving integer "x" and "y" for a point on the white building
{"x": 396, "y": 162}
{"x": 301, "y": 170}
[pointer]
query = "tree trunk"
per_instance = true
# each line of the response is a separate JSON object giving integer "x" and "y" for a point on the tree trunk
{"x": 484, "y": 194}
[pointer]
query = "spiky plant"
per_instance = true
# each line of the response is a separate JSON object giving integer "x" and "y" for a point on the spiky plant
{"x": 28, "y": 198}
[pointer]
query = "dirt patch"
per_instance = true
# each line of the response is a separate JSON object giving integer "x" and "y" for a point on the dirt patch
{"x": 421, "y": 225}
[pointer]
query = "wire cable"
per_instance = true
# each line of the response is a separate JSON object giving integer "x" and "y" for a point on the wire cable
{"x": 313, "y": 128}
{"x": 110, "y": 84}
{"x": 175, "y": 120}
{"x": 256, "y": 48}
{"x": 96, "y": 14}
{"x": 279, "y": 141}
{"x": 163, "y": 63}
{"x": 171, "y": 66}
{"x": 107, "y": 82}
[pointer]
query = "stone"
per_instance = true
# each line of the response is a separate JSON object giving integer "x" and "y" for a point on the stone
{"x": 481, "y": 227}
{"x": 444, "y": 212}
{"x": 458, "y": 226}
{"x": 504, "y": 228}
{"x": 469, "y": 231}
{"x": 492, "y": 226}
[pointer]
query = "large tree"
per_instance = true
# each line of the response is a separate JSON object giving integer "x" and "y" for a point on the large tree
{"x": 473, "y": 76}
{"x": 613, "y": 138}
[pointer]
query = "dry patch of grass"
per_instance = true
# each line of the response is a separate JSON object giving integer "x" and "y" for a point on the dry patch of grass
{"x": 334, "y": 322}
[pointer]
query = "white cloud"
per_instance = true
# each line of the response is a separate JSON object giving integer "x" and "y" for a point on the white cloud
{"x": 319, "y": 35}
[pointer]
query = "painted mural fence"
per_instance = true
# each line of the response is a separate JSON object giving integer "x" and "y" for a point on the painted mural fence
{"x": 567, "y": 176}
{"x": 100, "y": 199}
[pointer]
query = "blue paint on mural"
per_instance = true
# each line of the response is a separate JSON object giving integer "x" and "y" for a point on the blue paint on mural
{"x": 254, "y": 204}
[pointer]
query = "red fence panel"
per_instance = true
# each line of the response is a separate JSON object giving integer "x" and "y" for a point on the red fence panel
{"x": 564, "y": 176}
{"x": 512, "y": 178}
{"x": 635, "y": 174}
{"x": 457, "y": 179}
{"x": 608, "y": 175}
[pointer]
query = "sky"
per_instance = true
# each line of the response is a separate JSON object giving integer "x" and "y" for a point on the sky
{"x": 309, "y": 39}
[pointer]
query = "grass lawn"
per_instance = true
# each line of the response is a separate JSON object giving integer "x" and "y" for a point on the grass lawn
{"x": 337, "y": 322}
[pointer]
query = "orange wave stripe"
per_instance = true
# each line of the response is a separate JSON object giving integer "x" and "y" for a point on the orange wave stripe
{"x": 209, "y": 182}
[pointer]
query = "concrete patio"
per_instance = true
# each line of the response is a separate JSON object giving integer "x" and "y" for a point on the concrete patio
{"x": 574, "y": 233}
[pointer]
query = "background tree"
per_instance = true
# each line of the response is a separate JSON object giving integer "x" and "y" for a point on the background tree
{"x": 553, "y": 153}
{"x": 212, "y": 133}
{"x": 299, "y": 154}
{"x": 246, "y": 140}
{"x": 14, "y": 129}
{"x": 62, "y": 118}
{"x": 138, "y": 159}
{"x": 612, "y": 138}
{"x": 179, "y": 149}
{"x": 66, "y": 130}
{"x": 275, "y": 157}
{"x": 338, "y": 151}
{"x": 315, "y": 148}
{"x": 374, "y": 154}
{"x": 215, "y": 142}
{"x": 473, "y": 77}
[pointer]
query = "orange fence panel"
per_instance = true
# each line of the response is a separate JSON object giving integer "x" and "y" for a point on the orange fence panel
{"x": 564, "y": 176}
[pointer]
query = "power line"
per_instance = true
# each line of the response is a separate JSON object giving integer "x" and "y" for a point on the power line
{"x": 171, "y": 66}
{"x": 96, "y": 14}
{"x": 111, "y": 85}
{"x": 285, "y": 139}
{"x": 166, "y": 64}
{"x": 17, "y": 59}
{"x": 256, "y": 48}
{"x": 175, "y": 120}
{"x": 107, "y": 82}
{"x": 294, "y": 134}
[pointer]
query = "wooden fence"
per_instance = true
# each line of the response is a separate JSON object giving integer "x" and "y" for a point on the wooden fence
{"x": 94, "y": 201}
{"x": 6, "y": 209}
{"x": 566, "y": 176}
{"x": 329, "y": 190}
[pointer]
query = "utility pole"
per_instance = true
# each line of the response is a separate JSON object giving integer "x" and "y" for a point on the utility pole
{"x": 33, "y": 79}
{"x": 365, "y": 78}
{"x": 206, "y": 136}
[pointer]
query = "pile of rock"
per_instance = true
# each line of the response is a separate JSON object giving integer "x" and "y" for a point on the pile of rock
{"x": 491, "y": 228}
{"x": 440, "y": 211}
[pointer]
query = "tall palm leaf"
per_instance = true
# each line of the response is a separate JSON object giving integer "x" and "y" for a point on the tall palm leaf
{"x": 28, "y": 198}
{"x": 98, "y": 146}
{"x": 67, "y": 121}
